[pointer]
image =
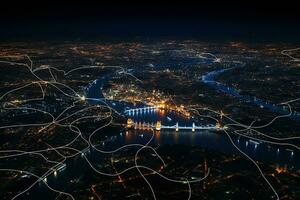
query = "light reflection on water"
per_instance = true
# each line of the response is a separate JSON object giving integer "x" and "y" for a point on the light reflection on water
{"x": 217, "y": 141}
{"x": 214, "y": 140}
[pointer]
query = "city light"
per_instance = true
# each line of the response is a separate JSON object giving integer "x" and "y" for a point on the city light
{"x": 97, "y": 120}
{"x": 82, "y": 98}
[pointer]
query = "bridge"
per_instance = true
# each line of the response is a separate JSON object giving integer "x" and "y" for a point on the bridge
{"x": 158, "y": 107}
{"x": 141, "y": 110}
{"x": 158, "y": 126}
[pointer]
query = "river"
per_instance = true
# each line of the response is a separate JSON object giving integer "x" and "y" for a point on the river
{"x": 210, "y": 140}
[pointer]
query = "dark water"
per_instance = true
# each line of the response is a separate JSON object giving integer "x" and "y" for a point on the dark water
{"x": 206, "y": 139}
{"x": 209, "y": 79}
{"x": 216, "y": 141}
{"x": 210, "y": 140}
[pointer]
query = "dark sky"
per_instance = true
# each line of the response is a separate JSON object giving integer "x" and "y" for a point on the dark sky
{"x": 210, "y": 18}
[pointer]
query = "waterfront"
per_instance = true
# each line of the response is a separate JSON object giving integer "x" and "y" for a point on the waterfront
{"x": 205, "y": 139}
{"x": 95, "y": 120}
{"x": 283, "y": 109}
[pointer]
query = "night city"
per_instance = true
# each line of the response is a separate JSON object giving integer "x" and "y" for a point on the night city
{"x": 153, "y": 100}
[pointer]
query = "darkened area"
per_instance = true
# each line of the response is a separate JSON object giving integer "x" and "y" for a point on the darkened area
{"x": 95, "y": 19}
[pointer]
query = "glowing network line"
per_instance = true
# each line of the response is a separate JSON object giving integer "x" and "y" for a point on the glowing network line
{"x": 72, "y": 127}
{"x": 77, "y": 98}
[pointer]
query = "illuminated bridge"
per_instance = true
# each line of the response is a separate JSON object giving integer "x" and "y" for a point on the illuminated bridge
{"x": 149, "y": 109}
{"x": 141, "y": 110}
{"x": 158, "y": 126}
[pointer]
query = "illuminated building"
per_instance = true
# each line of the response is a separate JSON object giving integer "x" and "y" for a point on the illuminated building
{"x": 221, "y": 114}
{"x": 218, "y": 125}
{"x": 158, "y": 126}
{"x": 280, "y": 170}
{"x": 82, "y": 98}
{"x": 129, "y": 123}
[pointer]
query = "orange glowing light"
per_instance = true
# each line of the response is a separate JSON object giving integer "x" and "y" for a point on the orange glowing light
{"x": 280, "y": 170}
